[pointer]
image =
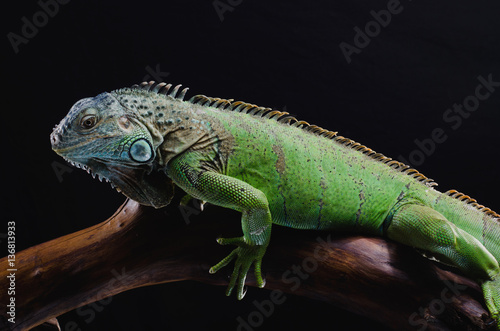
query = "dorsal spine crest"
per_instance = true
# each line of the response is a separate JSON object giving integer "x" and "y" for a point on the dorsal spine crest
{"x": 278, "y": 116}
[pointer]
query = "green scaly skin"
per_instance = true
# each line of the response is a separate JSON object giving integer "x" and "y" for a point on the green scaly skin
{"x": 274, "y": 170}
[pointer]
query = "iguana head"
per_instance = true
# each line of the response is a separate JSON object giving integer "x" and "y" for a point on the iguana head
{"x": 103, "y": 137}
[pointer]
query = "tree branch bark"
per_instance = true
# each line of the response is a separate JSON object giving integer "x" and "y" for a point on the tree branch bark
{"x": 140, "y": 246}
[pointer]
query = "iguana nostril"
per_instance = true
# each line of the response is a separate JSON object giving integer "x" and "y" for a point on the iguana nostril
{"x": 54, "y": 139}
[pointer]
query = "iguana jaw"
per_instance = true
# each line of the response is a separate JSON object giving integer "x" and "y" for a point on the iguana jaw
{"x": 142, "y": 184}
{"x": 146, "y": 186}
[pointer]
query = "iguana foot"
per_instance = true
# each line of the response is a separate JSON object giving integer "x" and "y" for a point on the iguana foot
{"x": 186, "y": 200}
{"x": 246, "y": 255}
{"x": 491, "y": 292}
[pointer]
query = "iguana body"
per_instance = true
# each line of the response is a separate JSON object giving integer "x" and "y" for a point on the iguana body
{"x": 273, "y": 169}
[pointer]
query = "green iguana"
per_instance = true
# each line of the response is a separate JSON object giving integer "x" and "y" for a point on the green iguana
{"x": 273, "y": 169}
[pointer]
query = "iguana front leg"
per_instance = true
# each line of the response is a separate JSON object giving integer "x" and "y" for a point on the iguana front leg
{"x": 231, "y": 193}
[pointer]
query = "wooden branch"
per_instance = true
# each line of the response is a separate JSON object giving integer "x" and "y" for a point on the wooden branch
{"x": 140, "y": 246}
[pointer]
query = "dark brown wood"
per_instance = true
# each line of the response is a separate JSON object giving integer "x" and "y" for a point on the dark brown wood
{"x": 141, "y": 246}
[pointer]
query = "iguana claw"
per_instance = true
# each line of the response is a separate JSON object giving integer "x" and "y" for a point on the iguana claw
{"x": 245, "y": 255}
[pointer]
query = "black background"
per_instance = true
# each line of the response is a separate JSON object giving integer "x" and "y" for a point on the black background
{"x": 281, "y": 54}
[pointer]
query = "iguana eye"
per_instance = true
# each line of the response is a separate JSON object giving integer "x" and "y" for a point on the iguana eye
{"x": 88, "y": 122}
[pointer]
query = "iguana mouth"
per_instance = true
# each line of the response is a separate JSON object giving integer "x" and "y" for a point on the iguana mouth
{"x": 137, "y": 182}
{"x": 126, "y": 177}
{"x": 89, "y": 171}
